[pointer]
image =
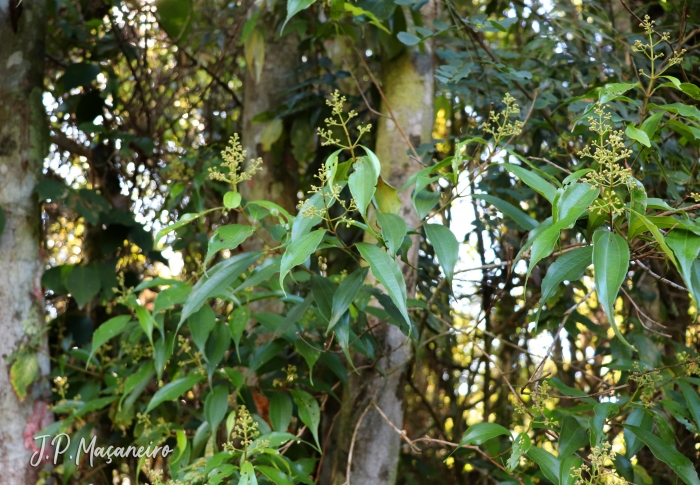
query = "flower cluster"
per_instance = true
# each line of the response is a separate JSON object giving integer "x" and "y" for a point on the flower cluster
{"x": 234, "y": 158}
{"x": 499, "y": 124}
{"x": 599, "y": 471}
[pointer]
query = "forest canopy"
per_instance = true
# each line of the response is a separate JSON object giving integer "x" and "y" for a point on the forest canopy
{"x": 372, "y": 242}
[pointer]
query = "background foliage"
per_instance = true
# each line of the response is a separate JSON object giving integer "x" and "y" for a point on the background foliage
{"x": 528, "y": 249}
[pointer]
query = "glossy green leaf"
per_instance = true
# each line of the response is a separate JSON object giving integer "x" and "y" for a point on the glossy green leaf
{"x": 201, "y": 324}
{"x": 611, "y": 257}
{"x": 280, "y": 411}
{"x": 294, "y": 7}
{"x": 566, "y": 470}
{"x": 521, "y": 444}
{"x": 665, "y": 452}
{"x": 232, "y": 200}
{"x": 651, "y": 124}
{"x": 534, "y": 181}
{"x": 572, "y": 437}
{"x": 638, "y": 135}
{"x": 146, "y": 320}
{"x": 227, "y": 237}
{"x": 216, "y": 405}
{"x": 387, "y": 197}
{"x": 388, "y": 273}
{"x": 479, "y": 433}
{"x": 299, "y": 251}
{"x": 394, "y": 229}
{"x": 310, "y": 355}
{"x": 523, "y": 220}
{"x": 446, "y": 247}
{"x": 215, "y": 282}
{"x": 638, "y": 417}
{"x": 601, "y": 412}
{"x": 274, "y": 475}
{"x": 363, "y": 183}
{"x": 309, "y": 411}
{"x": 686, "y": 247}
{"x": 173, "y": 390}
{"x": 693, "y": 401}
{"x": 345, "y": 295}
{"x": 568, "y": 267}
{"x": 108, "y": 330}
{"x": 237, "y": 323}
{"x": 548, "y": 463}
{"x": 247, "y": 471}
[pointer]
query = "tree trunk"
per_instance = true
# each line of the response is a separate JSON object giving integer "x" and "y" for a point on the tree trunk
{"x": 409, "y": 88}
{"x": 23, "y": 146}
{"x": 274, "y": 183}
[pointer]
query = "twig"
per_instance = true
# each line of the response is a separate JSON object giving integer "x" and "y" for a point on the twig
{"x": 660, "y": 278}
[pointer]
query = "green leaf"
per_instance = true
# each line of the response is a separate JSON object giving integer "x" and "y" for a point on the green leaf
{"x": 611, "y": 258}
{"x": 216, "y": 405}
{"x": 146, "y": 321}
{"x": 548, "y": 463}
{"x": 521, "y": 444}
{"x": 24, "y": 371}
{"x": 480, "y": 433}
{"x": 173, "y": 390}
{"x": 175, "y": 17}
{"x": 280, "y": 411}
{"x": 363, "y": 183}
{"x": 309, "y": 354}
{"x": 566, "y": 471}
{"x": 572, "y": 437}
{"x": 523, "y": 220}
{"x": 345, "y": 295}
{"x": 596, "y": 422}
{"x": 408, "y": 39}
{"x": 274, "y": 475}
{"x": 227, "y": 237}
{"x": 679, "y": 109}
{"x": 423, "y": 199}
{"x": 79, "y": 75}
{"x": 653, "y": 228}
{"x": 637, "y": 135}
{"x": 184, "y": 220}
{"x": 693, "y": 400}
{"x": 388, "y": 273}
{"x": 686, "y": 247}
{"x": 613, "y": 90}
{"x": 446, "y": 247}
{"x": 534, "y": 181}
{"x": 232, "y": 200}
{"x": 568, "y": 267}
{"x": 294, "y": 7}
{"x": 323, "y": 290}
{"x": 638, "y": 417}
{"x": 236, "y": 325}
{"x": 83, "y": 283}
{"x": 309, "y": 412}
{"x": 201, "y": 323}
{"x": 651, "y": 124}
{"x": 218, "y": 343}
{"x": 358, "y": 11}
{"x": 221, "y": 276}
{"x": 665, "y": 452}
{"x": 387, "y": 198}
{"x": 575, "y": 199}
{"x": 393, "y": 230}
{"x": 299, "y": 251}
{"x": 108, "y": 330}
{"x": 247, "y": 470}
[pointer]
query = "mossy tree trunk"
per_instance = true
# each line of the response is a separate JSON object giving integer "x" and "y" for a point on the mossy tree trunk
{"x": 23, "y": 146}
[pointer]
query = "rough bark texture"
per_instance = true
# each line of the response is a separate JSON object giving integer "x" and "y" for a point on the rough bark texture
{"x": 266, "y": 94}
{"x": 408, "y": 86}
{"x": 23, "y": 145}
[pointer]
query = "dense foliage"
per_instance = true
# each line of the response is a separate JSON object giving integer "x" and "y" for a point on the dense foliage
{"x": 551, "y": 311}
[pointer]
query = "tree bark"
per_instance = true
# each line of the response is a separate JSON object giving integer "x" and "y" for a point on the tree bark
{"x": 23, "y": 146}
{"x": 409, "y": 88}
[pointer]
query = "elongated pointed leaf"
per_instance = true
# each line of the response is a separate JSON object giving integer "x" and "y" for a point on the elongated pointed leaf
{"x": 534, "y": 181}
{"x": 479, "y": 433}
{"x": 294, "y": 7}
{"x": 394, "y": 229}
{"x": 280, "y": 411}
{"x": 227, "y": 237}
{"x": 611, "y": 258}
{"x": 667, "y": 453}
{"x": 568, "y": 267}
{"x": 216, "y": 405}
{"x": 637, "y": 135}
{"x": 638, "y": 417}
{"x": 566, "y": 470}
{"x": 693, "y": 401}
{"x": 345, "y": 295}
{"x": 221, "y": 276}
{"x": 686, "y": 247}
{"x": 173, "y": 390}
{"x": 299, "y": 251}
{"x": 388, "y": 273}
{"x": 548, "y": 463}
{"x": 446, "y": 247}
{"x": 363, "y": 183}
{"x": 309, "y": 411}
{"x": 523, "y": 220}
{"x": 108, "y": 330}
